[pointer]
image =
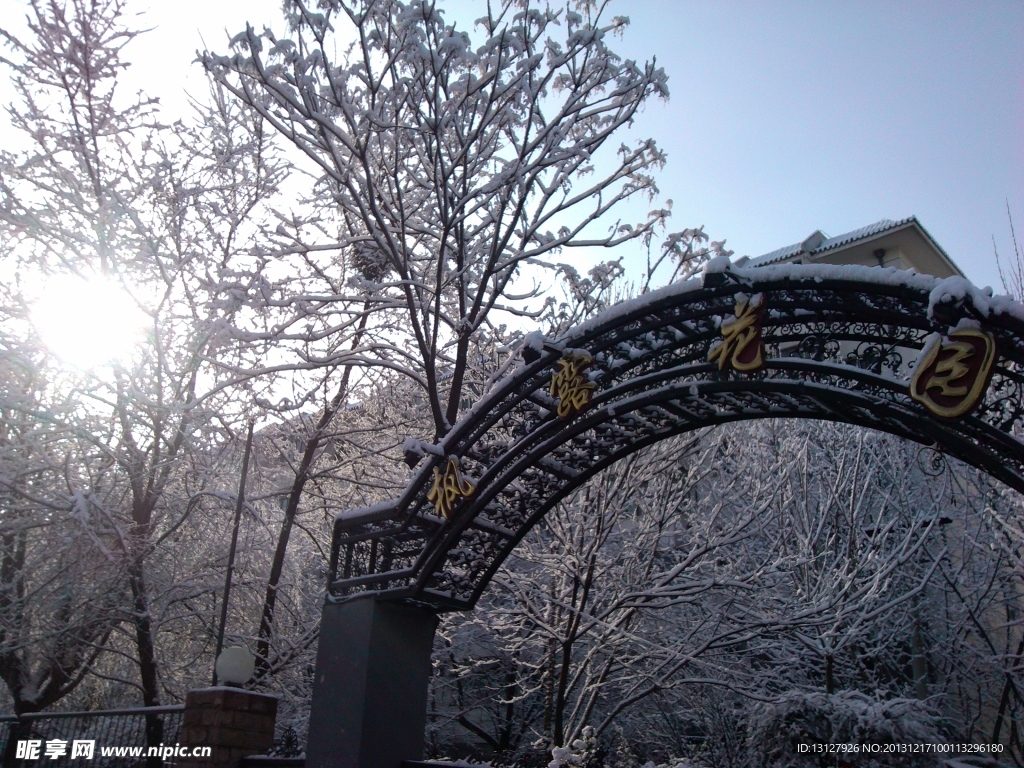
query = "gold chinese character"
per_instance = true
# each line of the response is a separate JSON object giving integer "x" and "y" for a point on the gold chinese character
{"x": 569, "y": 386}
{"x": 741, "y": 345}
{"x": 448, "y": 488}
{"x": 951, "y": 376}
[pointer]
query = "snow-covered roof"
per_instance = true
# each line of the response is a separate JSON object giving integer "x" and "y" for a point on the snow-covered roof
{"x": 813, "y": 245}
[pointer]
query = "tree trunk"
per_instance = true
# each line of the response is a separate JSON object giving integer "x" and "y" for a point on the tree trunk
{"x": 563, "y": 680}
{"x": 298, "y": 485}
{"x": 919, "y": 663}
{"x": 549, "y": 671}
{"x": 567, "y": 644}
{"x": 147, "y": 657}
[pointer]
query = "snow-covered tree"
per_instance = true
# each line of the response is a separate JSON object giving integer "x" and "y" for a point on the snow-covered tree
{"x": 346, "y": 247}
{"x": 446, "y": 170}
{"x": 705, "y": 575}
{"x": 452, "y": 161}
{"x": 101, "y": 193}
{"x": 61, "y": 583}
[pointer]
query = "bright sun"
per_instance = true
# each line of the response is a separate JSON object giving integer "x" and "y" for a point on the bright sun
{"x": 87, "y": 322}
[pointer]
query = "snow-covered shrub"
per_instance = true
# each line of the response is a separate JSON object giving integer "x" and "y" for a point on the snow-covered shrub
{"x": 680, "y": 762}
{"x": 582, "y": 752}
{"x": 777, "y": 729}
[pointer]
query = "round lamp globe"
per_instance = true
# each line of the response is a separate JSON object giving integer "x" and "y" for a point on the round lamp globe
{"x": 235, "y": 665}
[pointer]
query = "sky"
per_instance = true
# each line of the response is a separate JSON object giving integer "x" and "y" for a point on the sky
{"x": 785, "y": 116}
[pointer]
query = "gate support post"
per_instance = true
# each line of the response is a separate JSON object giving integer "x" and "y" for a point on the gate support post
{"x": 369, "y": 705}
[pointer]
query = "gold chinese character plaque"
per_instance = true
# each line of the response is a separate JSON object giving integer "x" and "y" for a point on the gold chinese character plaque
{"x": 569, "y": 385}
{"x": 741, "y": 346}
{"x": 952, "y": 375}
{"x": 448, "y": 488}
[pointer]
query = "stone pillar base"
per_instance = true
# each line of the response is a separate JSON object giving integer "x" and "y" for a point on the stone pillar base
{"x": 234, "y": 723}
{"x": 370, "y": 691}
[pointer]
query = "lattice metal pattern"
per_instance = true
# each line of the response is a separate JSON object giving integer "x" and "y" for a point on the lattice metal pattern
{"x": 837, "y": 348}
{"x": 106, "y": 728}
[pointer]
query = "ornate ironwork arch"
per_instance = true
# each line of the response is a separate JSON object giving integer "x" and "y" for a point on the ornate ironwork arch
{"x": 935, "y": 361}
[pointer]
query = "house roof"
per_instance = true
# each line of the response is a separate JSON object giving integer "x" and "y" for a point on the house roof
{"x": 818, "y": 242}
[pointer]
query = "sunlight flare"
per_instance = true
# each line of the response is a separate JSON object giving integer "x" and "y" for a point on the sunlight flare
{"x": 87, "y": 323}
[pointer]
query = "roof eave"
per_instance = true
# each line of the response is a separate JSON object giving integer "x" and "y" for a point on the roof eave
{"x": 911, "y": 223}
{"x": 938, "y": 248}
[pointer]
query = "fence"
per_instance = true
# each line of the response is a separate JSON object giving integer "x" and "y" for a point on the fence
{"x": 107, "y": 728}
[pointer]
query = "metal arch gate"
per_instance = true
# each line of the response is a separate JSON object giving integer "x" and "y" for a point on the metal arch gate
{"x": 935, "y": 361}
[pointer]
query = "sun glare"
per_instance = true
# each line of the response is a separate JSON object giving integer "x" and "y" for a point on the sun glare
{"x": 87, "y": 323}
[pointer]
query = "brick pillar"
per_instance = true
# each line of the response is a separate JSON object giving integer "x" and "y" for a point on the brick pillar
{"x": 235, "y": 723}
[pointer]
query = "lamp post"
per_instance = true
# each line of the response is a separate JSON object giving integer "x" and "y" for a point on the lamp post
{"x": 239, "y": 501}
